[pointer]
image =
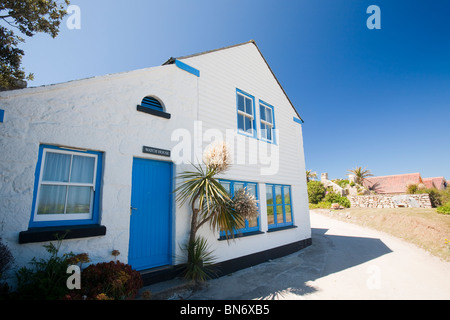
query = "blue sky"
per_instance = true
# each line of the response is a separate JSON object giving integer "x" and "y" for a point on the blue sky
{"x": 373, "y": 98}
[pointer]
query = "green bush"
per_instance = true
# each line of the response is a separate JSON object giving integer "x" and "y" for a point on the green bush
{"x": 337, "y": 198}
{"x": 316, "y": 191}
{"x": 412, "y": 188}
{"x": 320, "y": 205}
{"x": 6, "y": 260}
{"x": 445, "y": 195}
{"x": 341, "y": 182}
{"x": 445, "y": 209}
{"x": 46, "y": 280}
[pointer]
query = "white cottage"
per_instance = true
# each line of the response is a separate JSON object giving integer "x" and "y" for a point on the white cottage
{"x": 99, "y": 158}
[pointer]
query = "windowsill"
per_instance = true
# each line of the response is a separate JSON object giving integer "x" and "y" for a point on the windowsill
{"x": 33, "y": 235}
{"x": 157, "y": 113}
{"x": 242, "y": 235}
{"x": 281, "y": 228}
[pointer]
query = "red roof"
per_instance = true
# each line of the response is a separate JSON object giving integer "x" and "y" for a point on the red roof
{"x": 392, "y": 184}
{"x": 437, "y": 182}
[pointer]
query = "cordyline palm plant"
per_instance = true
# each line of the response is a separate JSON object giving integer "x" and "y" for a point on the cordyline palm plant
{"x": 211, "y": 203}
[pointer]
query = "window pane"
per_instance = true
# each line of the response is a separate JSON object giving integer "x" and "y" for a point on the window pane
{"x": 51, "y": 199}
{"x": 287, "y": 195}
{"x": 263, "y": 131}
{"x": 269, "y": 115}
{"x": 241, "y": 225}
{"x": 251, "y": 189}
{"x": 82, "y": 169}
{"x": 279, "y": 200}
{"x": 280, "y": 214}
{"x": 268, "y": 133}
{"x": 288, "y": 213}
{"x": 56, "y": 167}
{"x": 269, "y": 195}
{"x": 238, "y": 186}
{"x": 262, "y": 112}
{"x": 248, "y": 124}
{"x": 226, "y": 185}
{"x": 79, "y": 200}
{"x": 253, "y": 222}
{"x": 249, "y": 106}
{"x": 270, "y": 217}
{"x": 241, "y": 122}
{"x": 241, "y": 102}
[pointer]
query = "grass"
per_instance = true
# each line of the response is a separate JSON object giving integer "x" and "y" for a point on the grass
{"x": 425, "y": 228}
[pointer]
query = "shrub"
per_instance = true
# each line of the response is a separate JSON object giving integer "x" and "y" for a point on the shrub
{"x": 46, "y": 280}
{"x": 341, "y": 182}
{"x": 445, "y": 195}
{"x": 412, "y": 188}
{"x": 199, "y": 265}
{"x": 316, "y": 191}
{"x": 337, "y": 198}
{"x": 112, "y": 280}
{"x": 445, "y": 209}
{"x": 320, "y": 205}
{"x": 6, "y": 259}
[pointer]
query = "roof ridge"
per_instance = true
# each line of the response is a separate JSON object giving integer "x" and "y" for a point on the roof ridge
{"x": 394, "y": 175}
{"x": 172, "y": 60}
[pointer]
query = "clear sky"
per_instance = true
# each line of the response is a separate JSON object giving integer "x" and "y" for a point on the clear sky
{"x": 373, "y": 98}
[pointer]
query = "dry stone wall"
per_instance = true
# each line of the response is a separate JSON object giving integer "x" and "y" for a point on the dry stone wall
{"x": 391, "y": 201}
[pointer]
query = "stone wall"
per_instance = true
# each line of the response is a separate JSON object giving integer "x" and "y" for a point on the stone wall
{"x": 391, "y": 201}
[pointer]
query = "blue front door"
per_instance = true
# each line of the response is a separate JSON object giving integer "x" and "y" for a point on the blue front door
{"x": 150, "y": 224}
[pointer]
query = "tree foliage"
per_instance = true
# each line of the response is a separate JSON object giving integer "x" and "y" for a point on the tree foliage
{"x": 28, "y": 17}
{"x": 360, "y": 174}
{"x": 316, "y": 191}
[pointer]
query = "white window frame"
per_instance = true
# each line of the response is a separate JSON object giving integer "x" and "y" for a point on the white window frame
{"x": 267, "y": 123}
{"x": 247, "y": 115}
{"x": 65, "y": 216}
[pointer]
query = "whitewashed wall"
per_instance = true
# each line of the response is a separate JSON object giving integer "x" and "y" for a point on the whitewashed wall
{"x": 97, "y": 114}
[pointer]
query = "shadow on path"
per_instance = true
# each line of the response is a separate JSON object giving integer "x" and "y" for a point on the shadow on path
{"x": 287, "y": 276}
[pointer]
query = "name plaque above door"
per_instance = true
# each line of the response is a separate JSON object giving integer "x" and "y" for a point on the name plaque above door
{"x": 159, "y": 152}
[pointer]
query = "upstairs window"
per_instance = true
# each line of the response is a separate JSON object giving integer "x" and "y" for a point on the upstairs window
{"x": 245, "y": 113}
{"x": 267, "y": 122}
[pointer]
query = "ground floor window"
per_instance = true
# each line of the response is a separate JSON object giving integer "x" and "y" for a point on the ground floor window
{"x": 250, "y": 225}
{"x": 67, "y": 187}
{"x": 279, "y": 209}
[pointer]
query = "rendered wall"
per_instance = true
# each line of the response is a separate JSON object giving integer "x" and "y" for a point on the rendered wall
{"x": 97, "y": 114}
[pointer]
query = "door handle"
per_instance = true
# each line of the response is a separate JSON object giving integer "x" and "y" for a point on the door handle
{"x": 131, "y": 210}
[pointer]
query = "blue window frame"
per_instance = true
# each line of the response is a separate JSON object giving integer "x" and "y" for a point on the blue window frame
{"x": 252, "y": 188}
{"x": 279, "y": 206}
{"x": 245, "y": 107}
{"x": 66, "y": 188}
{"x": 267, "y": 122}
